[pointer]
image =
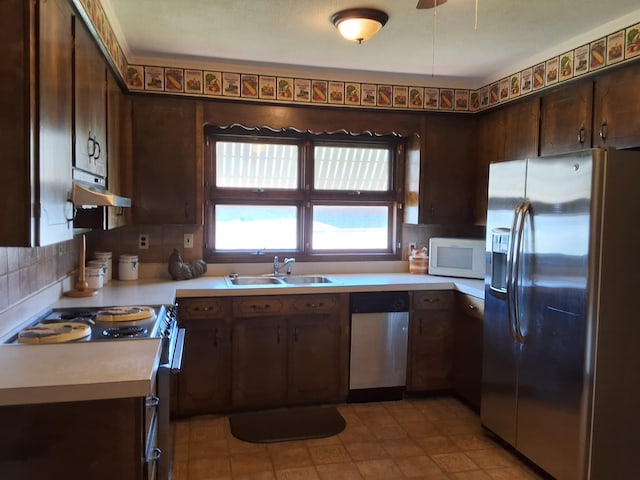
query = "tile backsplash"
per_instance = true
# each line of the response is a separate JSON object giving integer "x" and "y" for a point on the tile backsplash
{"x": 25, "y": 271}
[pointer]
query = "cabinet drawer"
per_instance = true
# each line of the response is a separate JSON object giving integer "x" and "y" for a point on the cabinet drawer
{"x": 258, "y": 306}
{"x": 314, "y": 303}
{"x": 432, "y": 300}
{"x": 202, "y": 308}
{"x": 471, "y": 306}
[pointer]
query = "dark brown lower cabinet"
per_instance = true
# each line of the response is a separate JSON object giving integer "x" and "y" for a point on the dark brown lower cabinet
{"x": 97, "y": 440}
{"x": 204, "y": 382}
{"x": 430, "y": 355}
{"x": 289, "y": 350}
{"x": 467, "y": 363}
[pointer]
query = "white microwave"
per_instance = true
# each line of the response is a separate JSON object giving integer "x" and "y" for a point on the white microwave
{"x": 457, "y": 257}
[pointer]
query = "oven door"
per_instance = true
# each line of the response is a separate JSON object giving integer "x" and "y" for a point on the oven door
{"x": 166, "y": 373}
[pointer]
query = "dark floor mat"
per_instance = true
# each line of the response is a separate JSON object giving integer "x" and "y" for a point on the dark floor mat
{"x": 287, "y": 424}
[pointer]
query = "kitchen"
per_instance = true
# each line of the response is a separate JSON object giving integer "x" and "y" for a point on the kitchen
{"x": 453, "y": 210}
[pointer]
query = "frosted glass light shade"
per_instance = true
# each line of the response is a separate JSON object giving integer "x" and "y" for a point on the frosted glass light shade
{"x": 359, "y": 24}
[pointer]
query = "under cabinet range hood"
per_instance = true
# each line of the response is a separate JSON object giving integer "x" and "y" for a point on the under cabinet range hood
{"x": 88, "y": 190}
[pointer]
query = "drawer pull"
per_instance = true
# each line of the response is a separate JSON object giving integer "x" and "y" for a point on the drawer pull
{"x": 152, "y": 401}
{"x": 315, "y": 305}
{"x": 471, "y": 307}
{"x": 261, "y": 307}
{"x": 431, "y": 300}
{"x": 604, "y": 130}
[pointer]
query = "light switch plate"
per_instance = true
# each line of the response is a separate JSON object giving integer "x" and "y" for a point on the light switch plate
{"x": 188, "y": 240}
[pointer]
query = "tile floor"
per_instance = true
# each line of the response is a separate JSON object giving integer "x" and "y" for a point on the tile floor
{"x": 427, "y": 439}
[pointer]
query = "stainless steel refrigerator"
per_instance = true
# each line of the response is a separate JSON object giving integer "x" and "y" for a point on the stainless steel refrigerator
{"x": 561, "y": 366}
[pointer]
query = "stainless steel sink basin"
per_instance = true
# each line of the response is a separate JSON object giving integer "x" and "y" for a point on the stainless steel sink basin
{"x": 271, "y": 280}
{"x": 305, "y": 279}
{"x": 253, "y": 281}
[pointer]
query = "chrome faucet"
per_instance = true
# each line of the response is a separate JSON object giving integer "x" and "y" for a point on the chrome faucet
{"x": 276, "y": 266}
{"x": 288, "y": 262}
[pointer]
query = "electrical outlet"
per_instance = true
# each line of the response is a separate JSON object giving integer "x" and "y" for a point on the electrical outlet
{"x": 188, "y": 240}
{"x": 143, "y": 241}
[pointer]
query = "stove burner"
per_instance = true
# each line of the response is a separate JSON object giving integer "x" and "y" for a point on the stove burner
{"x": 70, "y": 318}
{"x": 82, "y": 314}
{"x": 123, "y": 332}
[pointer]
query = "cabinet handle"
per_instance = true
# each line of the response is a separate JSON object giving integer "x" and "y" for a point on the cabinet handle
{"x": 152, "y": 401}
{"x": 604, "y": 130}
{"x": 315, "y": 305}
{"x": 278, "y": 334}
{"x": 97, "y": 144}
{"x": 431, "y": 300}
{"x": 581, "y": 134}
{"x": 295, "y": 334}
{"x": 261, "y": 307}
{"x": 471, "y": 307}
{"x": 215, "y": 337}
{"x": 91, "y": 146}
{"x": 154, "y": 455}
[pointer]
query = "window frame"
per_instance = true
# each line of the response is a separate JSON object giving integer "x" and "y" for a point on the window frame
{"x": 305, "y": 196}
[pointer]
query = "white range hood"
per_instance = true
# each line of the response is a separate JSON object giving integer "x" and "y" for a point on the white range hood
{"x": 89, "y": 190}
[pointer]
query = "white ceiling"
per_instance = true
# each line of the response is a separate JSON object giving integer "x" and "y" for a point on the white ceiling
{"x": 297, "y": 36}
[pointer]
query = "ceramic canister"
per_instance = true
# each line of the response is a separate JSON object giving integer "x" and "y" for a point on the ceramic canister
{"x": 128, "y": 267}
{"x": 94, "y": 276}
{"x": 108, "y": 257}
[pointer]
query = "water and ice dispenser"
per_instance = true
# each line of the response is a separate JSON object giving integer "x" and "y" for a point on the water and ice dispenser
{"x": 499, "y": 255}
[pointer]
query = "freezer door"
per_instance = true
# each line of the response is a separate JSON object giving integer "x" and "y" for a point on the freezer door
{"x": 501, "y": 351}
{"x": 552, "y": 298}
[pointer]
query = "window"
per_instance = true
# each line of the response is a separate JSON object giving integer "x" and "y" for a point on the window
{"x": 331, "y": 196}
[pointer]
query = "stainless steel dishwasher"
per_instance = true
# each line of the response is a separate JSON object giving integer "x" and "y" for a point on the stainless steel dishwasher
{"x": 379, "y": 335}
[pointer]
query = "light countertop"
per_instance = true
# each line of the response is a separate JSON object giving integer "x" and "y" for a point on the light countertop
{"x": 67, "y": 372}
{"x": 88, "y": 371}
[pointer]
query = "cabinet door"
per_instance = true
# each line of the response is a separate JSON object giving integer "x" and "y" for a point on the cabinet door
{"x": 490, "y": 149}
{"x": 259, "y": 354}
{"x": 522, "y": 126}
{"x": 565, "y": 119}
{"x": 55, "y": 110}
{"x": 467, "y": 363}
{"x": 448, "y": 171}
{"x": 165, "y": 150}
{"x": 616, "y": 122}
{"x": 314, "y": 359}
{"x": 430, "y": 359}
{"x": 204, "y": 383}
{"x": 91, "y": 104}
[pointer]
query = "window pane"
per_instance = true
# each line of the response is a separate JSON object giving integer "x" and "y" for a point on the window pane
{"x": 255, "y": 227}
{"x": 351, "y": 168}
{"x": 350, "y": 227}
{"x": 256, "y": 165}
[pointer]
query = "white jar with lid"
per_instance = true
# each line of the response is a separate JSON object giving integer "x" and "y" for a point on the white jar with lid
{"x": 107, "y": 257}
{"x": 128, "y": 267}
{"x": 100, "y": 264}
{"x": 94, "y": 276}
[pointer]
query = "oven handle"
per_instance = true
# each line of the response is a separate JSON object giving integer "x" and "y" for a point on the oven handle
{"x": 176, "y": 362}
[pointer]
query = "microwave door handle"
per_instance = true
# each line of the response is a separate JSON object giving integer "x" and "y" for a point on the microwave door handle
{"x": 519, "y": 251}
{"x": 511, "y": 253}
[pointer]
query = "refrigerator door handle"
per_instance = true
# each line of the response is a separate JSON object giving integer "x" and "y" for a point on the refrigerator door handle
{"x": 511, "y": 254}
{"x": 525, "y": 208}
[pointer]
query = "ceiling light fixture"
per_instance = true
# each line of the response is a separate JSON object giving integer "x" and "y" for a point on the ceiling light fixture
{"x": 359, "y": 24}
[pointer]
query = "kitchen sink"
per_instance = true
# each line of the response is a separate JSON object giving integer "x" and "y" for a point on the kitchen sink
{"x": 271, "y": 280}
{"x": 305, "y": 279}
{"x": 253, "y": 281}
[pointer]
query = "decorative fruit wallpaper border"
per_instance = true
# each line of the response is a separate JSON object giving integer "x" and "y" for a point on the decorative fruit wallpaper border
{"x": 620, "y": 46}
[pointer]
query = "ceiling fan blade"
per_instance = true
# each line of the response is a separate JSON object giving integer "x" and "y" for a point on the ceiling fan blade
{"x": 423, "y": 4}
